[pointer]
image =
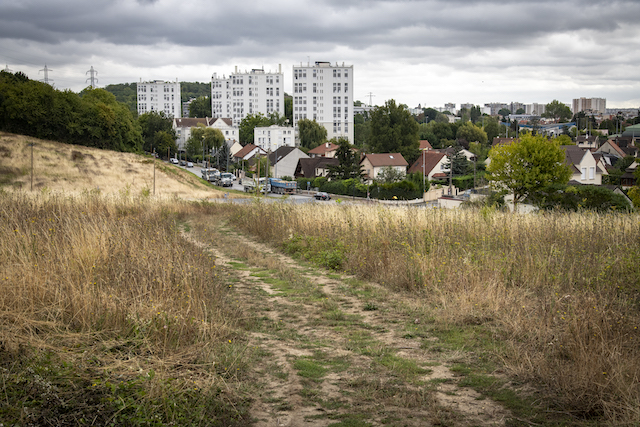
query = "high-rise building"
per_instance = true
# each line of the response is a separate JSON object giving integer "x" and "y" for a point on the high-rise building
{"x": 159, "y": 96}
{"x": 535, "y": 109}
{"x": 589, "y": 105}
{"x": 324, "y": 93}
{"x": 244, "y": 93}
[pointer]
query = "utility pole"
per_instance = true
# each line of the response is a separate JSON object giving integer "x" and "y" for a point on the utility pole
{"x": 32, "y": 144}
{"x": 91, "y": 73}
{"x": 46, "y": 75}
{"x": 154, "y": 171}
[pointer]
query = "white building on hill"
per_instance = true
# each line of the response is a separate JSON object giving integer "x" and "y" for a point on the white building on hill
{"x": 324, "y": 93}
{"x": 159, "y": 96}
{"x": 244, "y": 93}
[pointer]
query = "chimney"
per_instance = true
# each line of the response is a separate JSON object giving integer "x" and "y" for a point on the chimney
{"x": 327, "y": 145}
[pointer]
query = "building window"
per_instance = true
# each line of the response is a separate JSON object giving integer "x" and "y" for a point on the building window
{"x": 592, "y": 172}
{"x": 583, "y": 176}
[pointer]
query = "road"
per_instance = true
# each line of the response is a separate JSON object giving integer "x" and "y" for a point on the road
{"x": 295, "y": 198}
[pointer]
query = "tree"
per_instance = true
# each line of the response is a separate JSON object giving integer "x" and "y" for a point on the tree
{"x": 393, "y": 130}
{"x": 204, "y": 139}
{"x": 311, "y": 133}
{"x": 520, "y": 111}
{"x": 349, "y": 161}
{"x": 475, "y": 113}
{"x": 528, "y": 165}
{"x": 557, "y": 111}
{"x": 471, "y": 133}
{"x": 504, "y": 112}
{"x": 200, "y": 107}
{"x": 389, "y": 175}
{"x": 248, "y": 124}
{"x": 152, "y": 123}
{"x": 491, "y": 128}
{"x": 460, "y": 163}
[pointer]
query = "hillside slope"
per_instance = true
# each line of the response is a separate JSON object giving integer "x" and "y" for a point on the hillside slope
{"x": 74, "y": 168}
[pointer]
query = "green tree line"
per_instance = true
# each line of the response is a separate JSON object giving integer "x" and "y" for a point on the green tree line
{"x": 92, "y": 118}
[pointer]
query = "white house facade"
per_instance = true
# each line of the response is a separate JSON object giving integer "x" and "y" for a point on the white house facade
{"x": 244, "y": 93}
{"x": 324, "y": 92}
{"x": 273, "y": 137}
{"x": 159, "y": 96}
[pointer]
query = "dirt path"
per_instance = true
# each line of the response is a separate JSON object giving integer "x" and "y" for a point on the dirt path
{"x": 331, "y": 350}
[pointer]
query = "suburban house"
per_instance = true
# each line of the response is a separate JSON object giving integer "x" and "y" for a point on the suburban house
{"x": 230, "y": 132}
{"x": 433, "y": 164}
{"x": 611, "y": 148}
{"x": 583, "y": 165}
{"x": 324, "y": 150}
{"x": 373, "y": 164}
{"x": 248, "y": 152}
{"x": 314, "y": 167}
{"x": 425, "y": 145}
{"x": 183, "y": 127}
{"x": 235, "y": 147}
{"x": 450, "y": 151}
{"x": 284, "y": 161}
{"x": 587, "y": 141}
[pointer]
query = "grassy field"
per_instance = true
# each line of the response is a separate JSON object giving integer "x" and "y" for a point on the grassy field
{"x": 557, "y": 293}
{"x": 114, "y": 312}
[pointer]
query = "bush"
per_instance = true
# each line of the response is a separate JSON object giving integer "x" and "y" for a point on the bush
{"x": 577, "y": 197}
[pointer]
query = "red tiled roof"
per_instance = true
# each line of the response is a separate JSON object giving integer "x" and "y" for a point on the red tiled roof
{"x": 425, "y": 145}
{"x": 430, "y": 159}
{"x": 322, "y": 149}
{"x": 386, "y": 159}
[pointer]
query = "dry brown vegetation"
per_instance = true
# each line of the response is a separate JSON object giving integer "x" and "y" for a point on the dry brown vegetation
{"x": 559, "y": 292}
{"x": 106, "y": 312}
{"x": 73, "y": 169}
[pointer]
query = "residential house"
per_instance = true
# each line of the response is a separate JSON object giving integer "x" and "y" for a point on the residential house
{"x": 583, "y": 165}
{"x": 425, "y": 145}
{"x": 235, "y": 147}
{"x": 314, "y": 167}
{"x": 433, "y": 164}
{"x": 587, "y": 141}
{"x": 374, "y": 164}
{"x": 248, "y": 152}
{"x": 611, "y": 148}
{"x": 327, "y": 149}
{"x": 284, "y": 161}
{"x": 230, "y": 132}
{"x": 450, "y": 151}
{"x": 272, "y": 137}
{"x": 182, "y": 127}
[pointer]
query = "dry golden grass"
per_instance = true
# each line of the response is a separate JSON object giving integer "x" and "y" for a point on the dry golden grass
{"x": 100, "y": 290}
{"x": 558, "y": 291}
{"x": 72, "y": 169}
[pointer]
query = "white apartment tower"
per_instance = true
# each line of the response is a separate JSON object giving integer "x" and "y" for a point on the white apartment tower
{"x": 324, "y": 93}
{"x": 589, "y": 105}
{"x": 244, "y": 93}
{"x": 159, "y": 96}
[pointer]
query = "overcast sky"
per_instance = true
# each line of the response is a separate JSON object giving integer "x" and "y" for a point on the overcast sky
{"x": 416, "y": 52}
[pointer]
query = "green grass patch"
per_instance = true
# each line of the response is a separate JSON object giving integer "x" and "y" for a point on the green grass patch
{"x": 310, "y": 369}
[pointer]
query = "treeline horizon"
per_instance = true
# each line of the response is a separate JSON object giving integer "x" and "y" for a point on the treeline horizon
{"x": 93, "y": 117}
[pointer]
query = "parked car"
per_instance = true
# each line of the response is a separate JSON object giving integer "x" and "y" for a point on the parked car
{"x": 174, "y": 160}
{"x": 183, "y": 163}
{"x": 321, "y": 195}
{"x": 189, "y": 164}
